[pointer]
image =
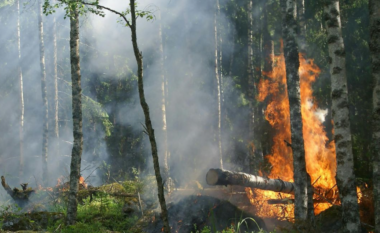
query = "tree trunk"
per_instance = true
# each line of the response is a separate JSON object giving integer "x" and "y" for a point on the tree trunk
{"x": 55, "y": 73}
{"x": 148, "y": 122}
{"x": 340, "y": 114}
{"x": 76, "y": 153}
{"x": 163, "y": 101}
{"x": 268, "y": 45}
{"x": 252, "y": 143}
{"x": 293, "y": 86}
{"x": 302, "y": 25}
{"x": 44, "y": 97}
{"x": 219, "y": 133}
{"x": 225, "y": 177}
{"x": 21, "y": 89}
{"x": 374, "y": 27}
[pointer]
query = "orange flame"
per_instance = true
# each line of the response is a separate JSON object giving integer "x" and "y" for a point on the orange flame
{"x": 319, "y": 152}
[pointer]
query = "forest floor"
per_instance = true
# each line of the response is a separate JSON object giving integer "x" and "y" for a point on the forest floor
{"x": 131, "y": 206}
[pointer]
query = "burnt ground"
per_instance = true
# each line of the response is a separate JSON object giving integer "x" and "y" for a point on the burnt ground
{"x": 196, "y": 212}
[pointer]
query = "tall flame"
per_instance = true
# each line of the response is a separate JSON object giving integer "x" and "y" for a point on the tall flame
{"x": 319, "y": 152}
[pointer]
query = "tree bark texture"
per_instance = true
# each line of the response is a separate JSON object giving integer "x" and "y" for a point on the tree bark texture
{"x": 345, "y": 176}
{"x": 293, "y": 86}
{"x": 163, "y": 100}
{"x": 268, "y": 45}
{"x": 302, "y": 25}
{"x": 225, "y": 177}
{"x": 76, "y": 153}
{"x": 21, "y": 96}
{"x": 253, "y": 143}
{"x": 217, "y": 76}
{"x": 374, "y": 27}
{"x": 148, "y": 123}
{"x": 44, "y": 97}
{"x": 55, "y": 73}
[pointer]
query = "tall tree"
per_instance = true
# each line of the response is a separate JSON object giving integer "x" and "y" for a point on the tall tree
{"x": 163, "y": 100}
{"x": 76, "y": 153}
{"x": 340, "y": 114}
{"x": 268, "y": 45}
{"x": 289, "y": 33}
{"x": 251, "y": 88}
{"x": 217, "y": 76}
{"x": 44, "y": 97}
{"x": 253, "y": 70}
{"x": 374, "y": 27}
{"x": 148, "y": 122}
{"x": 21, "y": 96}
{"x": 302, "y": 25}
{"x": 55, "y": 74}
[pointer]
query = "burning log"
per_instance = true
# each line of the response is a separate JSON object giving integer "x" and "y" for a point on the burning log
{"x": 224, "y": 177}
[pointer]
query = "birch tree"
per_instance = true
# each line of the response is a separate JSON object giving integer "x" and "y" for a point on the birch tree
{"x": 21, "y": 96}
{"x": 217, "y": 77}
{"x": 55, "y": 74}
{"x": 345, "y": 176}
{"x": 44, "y": 96}
{"x": 163, "y": 104}
{"x": 374, "y": 27}
{"x": 293, "y": 86}
{"x": 76, "y": 153}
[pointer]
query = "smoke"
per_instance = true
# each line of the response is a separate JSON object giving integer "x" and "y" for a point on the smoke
{"x": 106, "y": 55}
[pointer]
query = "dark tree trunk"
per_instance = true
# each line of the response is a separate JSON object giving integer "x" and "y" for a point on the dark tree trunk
{"x": 148, "y": 122}
{"x": 302, "y": 25}
{"x": 77, "y": 117}
{"x": 374, "y": 27}
{"x": 44, "y": 97}
{"x": 293, "y": 86}
{"x": 345, "y": 176}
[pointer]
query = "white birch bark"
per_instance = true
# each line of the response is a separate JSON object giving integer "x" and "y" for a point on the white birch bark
{"x": 44, "y": 97}
{"x": 76, "y": 153}
{"x": 21, "y": 96}
{"x": 345, "y": 176}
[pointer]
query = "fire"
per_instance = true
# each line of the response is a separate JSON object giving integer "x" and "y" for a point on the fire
{"x": 82, "y": 182}
{"x": 319, "y": 152}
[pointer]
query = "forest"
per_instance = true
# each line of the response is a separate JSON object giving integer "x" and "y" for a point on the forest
{"x": 225, "y": 116}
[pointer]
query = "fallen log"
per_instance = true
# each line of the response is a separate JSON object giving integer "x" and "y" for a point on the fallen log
{"x": 225, "y": 177}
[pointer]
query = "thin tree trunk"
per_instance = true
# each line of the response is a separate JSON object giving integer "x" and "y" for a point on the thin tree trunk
{"x": 163, "y": 101}
{"x": 374, "y": 27}
{"x": 302, "y": 25}
{"x": 21, "y": 89}
{"x": 55, "y": 73}
{"x": 76, "y": 153}
{"x": 251, "y": 93}
{"x": 268, "y": 45}
{"x": 340, "y": 114}
{"x": 293, "y": 86}
{"x": 148, "y": 122}
{"x": 219, "y": 134}
{"x": 44, "y": 97}
{"x": 257, "y": 74}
